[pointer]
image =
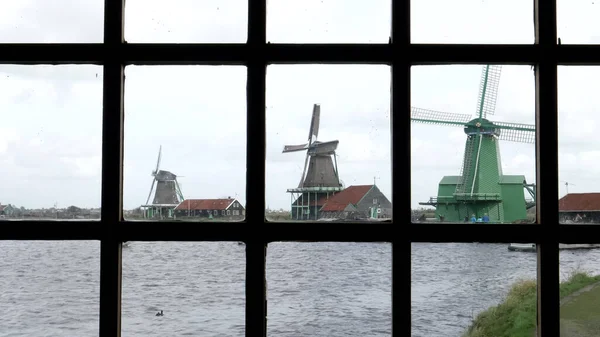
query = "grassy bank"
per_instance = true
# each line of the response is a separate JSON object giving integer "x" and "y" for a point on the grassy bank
{"x": 516, "y": 315}
{"x": 580, "y": 314}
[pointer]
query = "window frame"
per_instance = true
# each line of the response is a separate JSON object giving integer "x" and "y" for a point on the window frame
{"x": 114, "y": 54}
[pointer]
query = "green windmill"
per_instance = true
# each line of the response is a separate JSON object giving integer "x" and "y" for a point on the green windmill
{"x": 481, "y": 188}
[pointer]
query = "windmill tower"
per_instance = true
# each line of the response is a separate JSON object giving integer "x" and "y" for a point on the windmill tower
{"x": 481, "y": 186}
{"x": 167, "y": 194}
{"x": 320, "y": 178}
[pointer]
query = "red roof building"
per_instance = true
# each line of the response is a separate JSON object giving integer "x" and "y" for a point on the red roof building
{"x": 578, "y": 202}
{"x": 357, "y": 202}
{"x": 211, "y": 208}
{"x": 580, "y": 208}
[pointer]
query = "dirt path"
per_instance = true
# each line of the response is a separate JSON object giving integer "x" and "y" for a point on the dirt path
{"x": 580, "y": 315}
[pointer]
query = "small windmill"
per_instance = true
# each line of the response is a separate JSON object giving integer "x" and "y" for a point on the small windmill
{"x": 481, "y": 187}
{"x": 322, "y": 170}
{"x": 167, "y": 194}
{"x": 320, "y": 177}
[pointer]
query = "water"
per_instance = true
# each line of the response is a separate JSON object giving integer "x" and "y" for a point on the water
{"x": 49, "y": 288}
{"x": 453, "y": 282}
{"x": 314, "y": 289}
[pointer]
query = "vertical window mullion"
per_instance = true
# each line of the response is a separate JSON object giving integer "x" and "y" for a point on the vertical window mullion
{"x": 112, "y": 174}
{"x": 547, "y": 175}
{"x": 256, "y": 305}
{"x": 400, "y": 144}
{"x": 401, "y": 256}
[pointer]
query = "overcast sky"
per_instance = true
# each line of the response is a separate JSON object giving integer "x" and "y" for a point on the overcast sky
{"x": 50, "y": 139}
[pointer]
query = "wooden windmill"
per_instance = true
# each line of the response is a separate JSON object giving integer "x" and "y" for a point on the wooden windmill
{"x": 320, "y": 176}
{"x": 167, "y": 194}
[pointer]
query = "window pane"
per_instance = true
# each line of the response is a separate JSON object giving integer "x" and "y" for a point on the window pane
{"x": 578, "y": 144}
{"x": 185, "y": 143}
{"x": 50, "y": 288}
{"x": 329, "y": 289}
{"x": 579, "y": 276}
{"x": 576, "y": 22}
{"x": 198, "y": 287}
{"x": 310, "y": 179}
{"x": 186, "y": 21}
{"x": 472, "y": 21}
{"x": 473, "y": 289}
{"x": 318, "y": 21}
{"x": 43, "y": 21}
{"x": 473, "y": 144}
{"x": 50, "y": 142}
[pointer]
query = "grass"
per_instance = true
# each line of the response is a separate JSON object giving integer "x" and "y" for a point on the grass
{"x": 580, "y": 315}
{"x": 516, "y": 315}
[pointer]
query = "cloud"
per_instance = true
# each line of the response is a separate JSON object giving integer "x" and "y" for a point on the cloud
{"x": 51, "y": 21}
{"x": 7, "y": 137}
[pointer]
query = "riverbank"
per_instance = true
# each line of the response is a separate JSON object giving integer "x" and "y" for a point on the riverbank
{"x": 516, "y": 315}
{"x": 580, "y": 313}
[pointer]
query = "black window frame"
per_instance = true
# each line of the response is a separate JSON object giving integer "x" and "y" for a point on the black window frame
{"x": 111, "y": 230}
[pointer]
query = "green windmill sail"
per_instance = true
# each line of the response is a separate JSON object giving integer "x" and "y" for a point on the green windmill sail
{"x": 481, "y": 188}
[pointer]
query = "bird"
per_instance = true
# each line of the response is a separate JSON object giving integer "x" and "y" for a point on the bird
{"x": 559, "y": 41}
{"x": 160, "y": 313}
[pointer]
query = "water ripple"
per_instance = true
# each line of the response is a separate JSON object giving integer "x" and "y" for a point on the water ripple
{"x": 314, "y": 289}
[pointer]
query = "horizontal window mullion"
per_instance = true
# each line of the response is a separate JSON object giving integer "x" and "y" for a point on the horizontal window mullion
{"x": 424, "y": 54}
{"x": 466, "y": 232}
{"x": 165, "y": 54}
{"x": 579, "y": 234}
{"x": 189, "y": 231}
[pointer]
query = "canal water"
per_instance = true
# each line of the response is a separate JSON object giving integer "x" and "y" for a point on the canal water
{"x": 453, "y": 282}
{"x": 314, "y": 289}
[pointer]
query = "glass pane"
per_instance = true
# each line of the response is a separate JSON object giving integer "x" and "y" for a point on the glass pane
{"x": 347, "y": 105}
{"x": 43, "y": 21}
{"x": 579, "y": 291}
{"x": 473, "y": 289}
{"x": 185, "y": 143}
{"x": 472, "y": 21}
{"x": 318, "y": 21}
{"x": 50, "y": 288}
{"x": 329, "y": 289}
{"x": 186, "y": 21}
{"x": 576, "y": 22}
{"x": 50, "y": 142}
{"x": 473, "y": 144}
{"x": 184, "y": 289}
{"x": 578, "y": 144}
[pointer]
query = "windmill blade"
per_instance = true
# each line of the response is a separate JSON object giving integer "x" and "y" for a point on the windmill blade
{"x": 314, "y": 123}
{"x": 294, "y": 148}
{"x": 438, "y": 117}
{"x": 150, "y": 194}
{"x": 516, "y": 132}
{"x": 158, "y": 160}
{"x": 488, "y": 90}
